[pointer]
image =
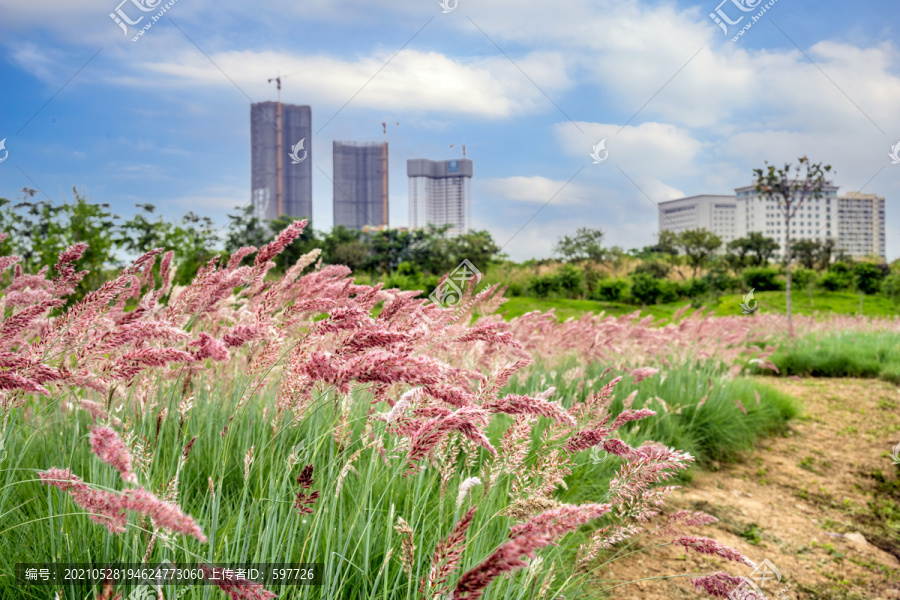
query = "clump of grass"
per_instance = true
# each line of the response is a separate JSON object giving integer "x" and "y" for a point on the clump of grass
{"x": 696, "y": 411}
{"x": 752, "y": 533}
{"x": 847, "y": 354}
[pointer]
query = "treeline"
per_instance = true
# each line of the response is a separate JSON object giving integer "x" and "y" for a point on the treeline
{"x": 696, "y": 265}
{"x": 40, "y": 230}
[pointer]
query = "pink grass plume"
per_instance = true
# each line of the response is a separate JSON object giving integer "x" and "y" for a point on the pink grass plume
{"x": 712, "y": 547}
{"x": 110, "y": 448}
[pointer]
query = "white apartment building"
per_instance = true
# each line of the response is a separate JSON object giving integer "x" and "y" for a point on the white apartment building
{"x": 440, "y": 193}
{"x": 714, "y": 213}
{"x": 815, "y": 218}
{"x": 861, "y": 224}
{"x": 855, "y": 221}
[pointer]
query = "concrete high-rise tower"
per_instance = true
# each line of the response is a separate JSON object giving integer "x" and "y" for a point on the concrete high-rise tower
{"x": 296, "y": 160}
{"x": 360, "y": 176}
{"x": 440, "y": 193}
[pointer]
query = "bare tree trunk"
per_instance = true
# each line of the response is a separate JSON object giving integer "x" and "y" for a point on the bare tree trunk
{"x": 787, "y": 258}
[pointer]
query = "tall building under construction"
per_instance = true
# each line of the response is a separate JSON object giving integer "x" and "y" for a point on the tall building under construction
{"x": 440, "y": 193}
{"x": 292, "y": 195}
{"x": 360, "y": 184}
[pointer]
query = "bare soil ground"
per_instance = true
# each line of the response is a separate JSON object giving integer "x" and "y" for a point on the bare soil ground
{"x": 821, "y": 503}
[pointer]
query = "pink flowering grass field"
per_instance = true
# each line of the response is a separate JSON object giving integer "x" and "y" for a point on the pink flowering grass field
{"x": 424, "y": 452}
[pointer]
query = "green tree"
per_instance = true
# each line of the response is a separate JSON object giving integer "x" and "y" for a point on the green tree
{"x": 867, "y": 277}
{"x": 332, "y": 244}
{"x": 736, "y": 253}
{"x": 476, "y": 246}
{"x": 826, "y": 249}
{"x": 194, "y": 241}
{"x": 788, "y": 188}
{"x": 698, "y": 246}
{"x": 388, "y": 249}
{"x": 645, "y": 288}
{"x": 95, "y": 225}
{"x": 429, "y": 250}
{"x": 656, "y": 269}
{"x": 571, "y": 281}
{"x": 890, "y": 287}
{"x": 762, "y": 248}
{"x": 667, "y": 243}
{"x": 806, "y": 252}
{"x": 586, "y": 244}
{"x": 140, "y": 234}
{"x": 246, "y": 229}
{"x": 40, "y": 231}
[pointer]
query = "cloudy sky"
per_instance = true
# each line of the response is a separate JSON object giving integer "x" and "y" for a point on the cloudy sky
{"x": 528, "y": 85}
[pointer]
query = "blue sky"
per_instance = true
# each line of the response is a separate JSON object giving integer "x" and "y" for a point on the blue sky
{"x": 529, "y": 86}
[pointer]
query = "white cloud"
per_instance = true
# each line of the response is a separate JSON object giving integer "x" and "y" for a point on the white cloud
{"x": 417, "y": 81}
{"x": 658, "y": 148}
{"x": 537, "y": 190}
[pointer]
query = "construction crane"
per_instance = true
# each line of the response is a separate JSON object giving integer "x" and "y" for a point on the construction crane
{"x": 384, "y": 173}
{"x": 463, "y": 148}
{"x": 279, "y": 159}
{"x": 279, "y": 164}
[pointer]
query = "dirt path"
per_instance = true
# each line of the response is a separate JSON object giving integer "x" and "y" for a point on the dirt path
{"x": 813, "y": 503}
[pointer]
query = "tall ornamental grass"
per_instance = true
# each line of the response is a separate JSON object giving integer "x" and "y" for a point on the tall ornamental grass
{"x": 874, "y": 354}
{"x": 251, "y": 418}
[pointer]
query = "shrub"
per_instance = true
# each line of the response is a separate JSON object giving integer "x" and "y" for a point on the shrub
{"x": 890, "y": 287}
{"x": 543, "y": 285}
{"x": 720, "y": 281}
{"x": 570, "y": 280}
{"x": 867, "y": 277}
{"x": 591, "y": 276}
{"x": 610, "y": 290}
{"x": 669, "y": 291}
{"x": 832, "y": 282}
{"x": 694, "y": 288}
{"x": 656, "y": 269}
{"x": 762, "y": 279}
{"x": 645, "y": 288}
{"x": 839, "y": 267}
{"x": 802, "y": 277}
{"x": 515, "y": 288}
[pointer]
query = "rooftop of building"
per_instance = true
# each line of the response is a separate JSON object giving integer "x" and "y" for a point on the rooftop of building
{"x": 859, "y": 196}
{"x": 359, "y": 144}
{"x": 710, "y": 196}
